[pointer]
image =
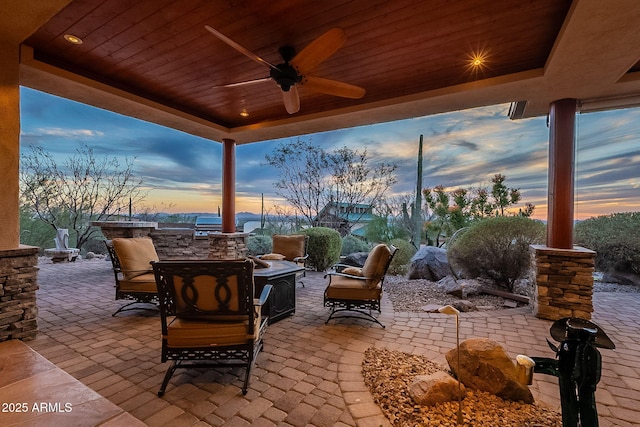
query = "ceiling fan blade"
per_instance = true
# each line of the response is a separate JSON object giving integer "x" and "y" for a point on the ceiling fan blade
{"x": 318, "y": 50}
{"x": 245, "y": 83}
{"x": 291, "y": 100}
{"x": 333, "y": 87}
{"x": 239, "y": 48}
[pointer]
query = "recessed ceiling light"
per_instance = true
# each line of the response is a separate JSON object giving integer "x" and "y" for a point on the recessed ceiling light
{"x": 72, "y": 39}
{"x": 477, "y": 61}
{"x": 244, "y": 113}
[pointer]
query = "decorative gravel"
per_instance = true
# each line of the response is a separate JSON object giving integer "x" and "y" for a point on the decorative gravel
{"x": 412, "y": 295}
{"x": 389, "y": 373}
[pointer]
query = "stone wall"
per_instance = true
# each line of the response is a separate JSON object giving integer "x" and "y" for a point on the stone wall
{"x": 564, "y": 282}
{"x": 113, "y": 229}
{"x": 18, "y": 286}
{"x": 179, "y": 243}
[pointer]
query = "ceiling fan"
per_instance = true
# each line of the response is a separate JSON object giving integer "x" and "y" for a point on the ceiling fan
{"x": 295, "y": 68}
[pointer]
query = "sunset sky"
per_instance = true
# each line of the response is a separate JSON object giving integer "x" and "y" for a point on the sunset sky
{"x": 461, "y": 149}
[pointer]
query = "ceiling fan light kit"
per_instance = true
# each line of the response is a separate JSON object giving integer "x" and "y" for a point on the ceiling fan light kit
{"x": 295, "y": 68}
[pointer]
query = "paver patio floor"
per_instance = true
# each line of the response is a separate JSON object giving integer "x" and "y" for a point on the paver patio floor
{"x": 309, "y": 372}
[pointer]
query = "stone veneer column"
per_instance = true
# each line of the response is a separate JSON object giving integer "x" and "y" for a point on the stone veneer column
{"x": 18, "y": 286}
{"x": 227, "y": 245}
{"x": 564, "y": 282}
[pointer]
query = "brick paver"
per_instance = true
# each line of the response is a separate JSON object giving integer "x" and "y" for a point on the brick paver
{"x": 309, "y": 372}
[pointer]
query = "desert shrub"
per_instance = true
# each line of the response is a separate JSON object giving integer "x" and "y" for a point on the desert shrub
{"x": 95, "y": 245}
{"x": 323, "y": 248}
{"x": 497, "y": 249}
{"x": 258, "y": 245}
{"x": 616, "y": 240}
{"x": 351, "y": 244}
{"x": 402, "y": 258}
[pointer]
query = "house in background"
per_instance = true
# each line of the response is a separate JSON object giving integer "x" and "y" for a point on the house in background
{"x": 346, "y": 218}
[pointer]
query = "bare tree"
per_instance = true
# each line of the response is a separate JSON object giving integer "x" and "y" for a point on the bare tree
{"x": 302, "y": 167}
{"x": 83, "y": 188}
{"x": 311, "y": 177}
{"x": 355, "y": 181}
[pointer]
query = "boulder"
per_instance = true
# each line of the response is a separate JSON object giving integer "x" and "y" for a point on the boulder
{"x": 461, "y": 288}
{"x": 485, "y": 366}
{"x": 621, "y": 278}
{"x": 451, "y": 286}
{"x": 440, "y": 387}
{"x": 463, "y": 305}
{"x": 355, "y": 259}
{"x": 429, "y": 263}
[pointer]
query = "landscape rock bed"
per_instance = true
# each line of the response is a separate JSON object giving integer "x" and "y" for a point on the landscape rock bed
{"x": 388, "y": 375}
{"x": 411, "y": 295}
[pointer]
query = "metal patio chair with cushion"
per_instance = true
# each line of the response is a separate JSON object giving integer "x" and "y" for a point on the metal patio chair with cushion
{"x": 130, "y": 259}
{"x": 359, "y": 290}
{"x": 209, "y": 315}
{"x": 289, "y": 247}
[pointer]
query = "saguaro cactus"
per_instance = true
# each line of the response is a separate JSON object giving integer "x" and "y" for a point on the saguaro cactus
{"x": 416, "y": 214}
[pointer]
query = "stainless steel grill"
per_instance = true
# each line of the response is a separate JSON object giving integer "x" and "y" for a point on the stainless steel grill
{"x": 206, "y": 225}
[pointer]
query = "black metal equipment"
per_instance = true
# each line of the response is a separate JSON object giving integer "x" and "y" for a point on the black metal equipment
{"x": 578, "y": 366}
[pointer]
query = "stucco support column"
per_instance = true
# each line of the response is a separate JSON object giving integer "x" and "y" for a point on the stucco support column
{"x": 228, "y": 186}
{"x": 9, "y": 145}
{"x": 561, "y": 174}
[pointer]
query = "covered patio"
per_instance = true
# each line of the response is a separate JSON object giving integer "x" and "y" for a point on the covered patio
{"x": 308, "y": 374}
{"x": 157, "y": 62}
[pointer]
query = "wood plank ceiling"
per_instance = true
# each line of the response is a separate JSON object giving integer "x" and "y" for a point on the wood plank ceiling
{"x": 159, "y": 49}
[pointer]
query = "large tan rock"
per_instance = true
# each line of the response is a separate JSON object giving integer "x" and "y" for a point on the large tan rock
{"x": 485, "y": 366}
{"x": 440, "y": 387}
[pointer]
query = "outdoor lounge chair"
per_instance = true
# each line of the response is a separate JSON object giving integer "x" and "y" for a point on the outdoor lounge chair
{"x": 359, "y": 290}
{"x": 289, "y": 247}
{"x": 130, "y": 259}
{"x": 209, "y": 315}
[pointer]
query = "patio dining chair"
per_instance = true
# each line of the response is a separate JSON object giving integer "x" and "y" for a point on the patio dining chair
{"x": 130, "y": 260}
{"x": 354, "y": 292}
{"x": 209, "y": 316}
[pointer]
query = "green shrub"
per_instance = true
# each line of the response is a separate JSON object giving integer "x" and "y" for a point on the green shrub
{"x": 259, "y": 245}
{"x": 497, "y": 248}
{"x": 351, "y": 244}
{"x": 616, "y": 240}
{"x": 402, "y": 258}
{"x": 323, "y": 248}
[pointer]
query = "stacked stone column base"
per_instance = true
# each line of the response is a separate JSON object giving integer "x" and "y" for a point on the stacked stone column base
{"x": 18, "y": 286}
{"x": 227, "y": 245}
{"x": 564, "y": 282}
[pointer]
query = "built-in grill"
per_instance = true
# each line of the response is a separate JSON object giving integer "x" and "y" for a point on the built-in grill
{"x": 206, "y": 225}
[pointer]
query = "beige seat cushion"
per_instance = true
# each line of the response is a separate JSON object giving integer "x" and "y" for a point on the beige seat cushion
{"x": 354, "y": 271}
{"x": 273, "y": 257}
{"x": 375, "y": 266}
{"x": 342, "y": 287}
{"x": 193, "y": 333}
{"x": 291, "y": 246}
{"x": 143, "y": 283}
{"x": 135, "y": 255}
